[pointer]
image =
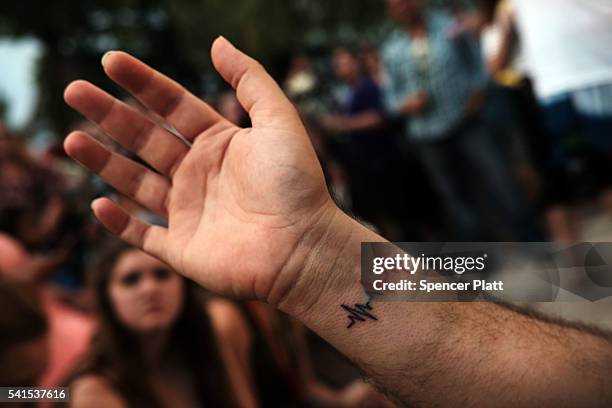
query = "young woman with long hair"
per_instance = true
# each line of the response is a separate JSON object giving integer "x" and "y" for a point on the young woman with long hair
{"x": 155, "y": 345}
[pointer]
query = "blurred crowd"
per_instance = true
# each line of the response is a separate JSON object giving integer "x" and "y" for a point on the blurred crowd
{"x": 491, "y": 123}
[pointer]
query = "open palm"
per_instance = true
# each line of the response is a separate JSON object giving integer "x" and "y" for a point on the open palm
{"x": 241, "y": 204}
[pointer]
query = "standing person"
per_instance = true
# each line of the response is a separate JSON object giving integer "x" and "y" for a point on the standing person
{"x": 370, "y": 57}
{"x": 567, "y": 50}
{"x": 369, "y": 149}
{"x": 155, "y": 344}
{"x": 435, "y": 77}
{"x": 512, "y": 110}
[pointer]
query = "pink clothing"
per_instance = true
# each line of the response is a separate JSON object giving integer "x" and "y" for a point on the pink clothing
{"x": 70, "y": 333}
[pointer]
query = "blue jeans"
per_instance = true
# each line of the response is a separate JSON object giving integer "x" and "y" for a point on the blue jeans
{"x": 472, "y": 147}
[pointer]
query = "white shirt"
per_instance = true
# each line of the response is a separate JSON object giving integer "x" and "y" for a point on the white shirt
{"x": 567, "y": 43}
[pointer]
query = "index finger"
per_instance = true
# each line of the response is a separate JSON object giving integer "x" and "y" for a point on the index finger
{"x": 184, "y": 111}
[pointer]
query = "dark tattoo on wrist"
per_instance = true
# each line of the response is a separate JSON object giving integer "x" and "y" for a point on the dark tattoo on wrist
{"x": 359, "y": 313}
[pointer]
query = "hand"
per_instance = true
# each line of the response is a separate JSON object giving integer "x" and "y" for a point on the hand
{"x": 244, "y": 206}
{"x": 416, "y": 104}
{"x": 334, "y": 123}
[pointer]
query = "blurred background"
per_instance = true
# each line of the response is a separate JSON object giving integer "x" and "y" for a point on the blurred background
{"x": 438, "y": 120}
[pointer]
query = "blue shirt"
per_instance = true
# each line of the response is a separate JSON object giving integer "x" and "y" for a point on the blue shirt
{"x": 364, "y": 96}
{"x": 366, "y": 146}
{"x": 448, "y": 69}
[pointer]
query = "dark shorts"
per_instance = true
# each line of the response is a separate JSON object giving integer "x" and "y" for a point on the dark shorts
{"x": 580, "y": 157}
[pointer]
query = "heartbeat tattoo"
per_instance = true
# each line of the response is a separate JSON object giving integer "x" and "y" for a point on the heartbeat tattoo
{"x": 359, "y": 312}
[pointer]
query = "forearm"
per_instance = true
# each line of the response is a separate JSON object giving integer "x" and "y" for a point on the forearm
{"x": 364, "y": 121}
{"x": 359, "y": 122}
{"x": 430, "y": 354}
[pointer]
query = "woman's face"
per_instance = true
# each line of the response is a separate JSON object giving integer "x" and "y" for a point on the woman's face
{"x": 145, "y": 293}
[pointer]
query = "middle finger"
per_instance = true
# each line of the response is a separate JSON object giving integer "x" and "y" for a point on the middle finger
{"x": 130, "y": 128}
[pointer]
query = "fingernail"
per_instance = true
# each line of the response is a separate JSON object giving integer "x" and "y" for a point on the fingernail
{"x": 106, "y": 54}
{"x": 93, "y": 203}
{"x": 227, "y": 41}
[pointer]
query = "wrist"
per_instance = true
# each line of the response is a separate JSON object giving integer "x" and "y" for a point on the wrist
{"x": 319, "y": 262}
{"x": 319, "y": 247}
{"x": 331, "y": 270}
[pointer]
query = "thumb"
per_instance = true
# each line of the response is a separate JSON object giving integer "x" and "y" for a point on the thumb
{"x": 256, "y": 90}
